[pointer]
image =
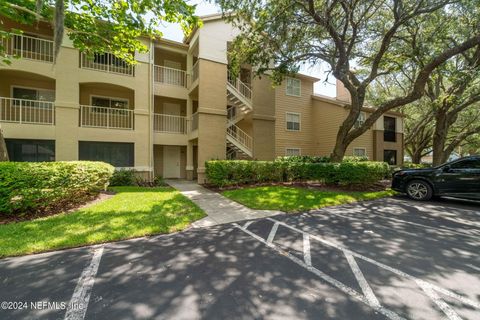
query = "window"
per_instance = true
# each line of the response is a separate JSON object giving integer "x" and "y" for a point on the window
{"x": 466, "y": 164}
{"x": 33, "y": 94}
{"x": 116, "y": 153}
{"x": 24, "y": 150}
{"x": 292, "y": 152}
{"x": 389, "y": 129}
{"x": 109, "y": 102}
{"x": 106, "y": 102}
{"x": 293, "y": 87}
{"x": 390, "y": 157}
{"x": 360, "y": 120}
{"x": 360, "y": 152}
{"x": 293, "y": 121}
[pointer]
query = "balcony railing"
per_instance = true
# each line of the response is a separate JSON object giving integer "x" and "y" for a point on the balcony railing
{"x": 169, "y": 123}
{"x": 107, "y": 62}
{"x": 194, "y": 125}
{"x": 102, "y": 117}
{"x": 240, "y": 86}
{"x": 195, "y": 72}
{"x": 240, "y": 136}
{"x": 27, "y": 111}
{"x": 175, "y": 77}
{"x": 29, "y": 48}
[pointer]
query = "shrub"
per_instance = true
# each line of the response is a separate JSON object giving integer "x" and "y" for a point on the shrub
{"x": 355, "y": 158}
{"x": 304, "y": 159}
{"x": 222, "y": 173}
{"x": 409, "y": 165}
{"x": 123, "y": 177}
{"x": 159, "y": 182}
{"x": 31, "y": 186}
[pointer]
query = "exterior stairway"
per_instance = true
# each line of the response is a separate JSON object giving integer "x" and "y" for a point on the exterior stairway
{"x": 239, "y": 95}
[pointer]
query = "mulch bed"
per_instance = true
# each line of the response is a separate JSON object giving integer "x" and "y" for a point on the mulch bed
{"x": 379, "y": 186}
{"x": 62, "y": 207}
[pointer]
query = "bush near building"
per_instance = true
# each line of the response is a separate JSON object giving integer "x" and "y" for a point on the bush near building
{"x": 221, "y": 173}
{"x": 27, "y": 187}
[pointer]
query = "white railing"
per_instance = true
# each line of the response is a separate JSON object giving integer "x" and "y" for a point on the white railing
{"x": 171, "y": 76}
{"x": 241, "y": 87}
{"x": 102, "y": 117}
{"x": 107, "y": 62}
{"x": 169, "y": 123}
{"x": 234, "y": 114}
{"x": 195, "y": 71}
{"x": 194, "y": 125}
{"x": 27, "y": 47}
{"x": 240, "y": 136}
{"x": 26, "y": 111}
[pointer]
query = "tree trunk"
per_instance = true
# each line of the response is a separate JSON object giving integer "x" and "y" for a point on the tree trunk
{"x": 417, "y": 156}
{"x": 439, "y": 138}
{"x": 3, "y": 148}
{"x": 340, "y": 145}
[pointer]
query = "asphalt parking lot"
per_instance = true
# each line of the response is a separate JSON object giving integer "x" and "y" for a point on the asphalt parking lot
{"x": 384, "y": 259}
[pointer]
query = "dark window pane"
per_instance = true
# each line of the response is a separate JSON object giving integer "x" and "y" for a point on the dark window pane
{"x": 467, "y": 164}
{"x": 22, "y": 93}
{"x": 390, "y": 156}
{"x": 115, "y": 153}
{"x": 389, "y": 129}
{"x": 23, "y": 150}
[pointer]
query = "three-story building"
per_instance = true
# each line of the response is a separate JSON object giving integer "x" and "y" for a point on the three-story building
{"x": 178, "y": 107}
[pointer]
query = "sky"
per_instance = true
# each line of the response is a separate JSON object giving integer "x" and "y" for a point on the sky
{"x": 174, "y": 32}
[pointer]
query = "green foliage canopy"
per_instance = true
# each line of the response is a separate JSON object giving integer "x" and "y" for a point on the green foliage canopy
{"x": 114, "y": 26}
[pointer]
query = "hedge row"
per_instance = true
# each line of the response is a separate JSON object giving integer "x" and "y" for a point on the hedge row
{"x": 222, "y": 173}
{"x": 410, "y": 165}
{"x": 31, "y": 186}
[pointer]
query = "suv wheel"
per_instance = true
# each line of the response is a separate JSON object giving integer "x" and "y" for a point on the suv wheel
{"x": 419, "y": 190}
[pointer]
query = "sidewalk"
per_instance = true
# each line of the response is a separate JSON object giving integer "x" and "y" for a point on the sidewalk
{"x": 218, "y": 208}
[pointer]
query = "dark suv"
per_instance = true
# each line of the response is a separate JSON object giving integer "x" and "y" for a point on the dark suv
{"x": 459, "y": 178}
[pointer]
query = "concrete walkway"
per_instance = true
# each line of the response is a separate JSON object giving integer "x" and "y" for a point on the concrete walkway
{"x": 218, "y": 208}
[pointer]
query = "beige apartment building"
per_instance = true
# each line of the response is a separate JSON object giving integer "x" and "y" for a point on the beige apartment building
{"x": 175, "y": 109}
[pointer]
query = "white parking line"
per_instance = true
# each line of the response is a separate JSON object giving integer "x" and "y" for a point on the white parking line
{"x": 346, "y": 289}
{"x": 272, "y": 233}
{"x": 306, "y": 249}
{"x": 441, "y": 290}
{"x": 77, "y": 307}
{"x": 362, "y": 282}
{"x": 427, "y": 288}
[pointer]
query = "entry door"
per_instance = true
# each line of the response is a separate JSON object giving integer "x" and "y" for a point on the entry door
{"x": 171, "y": 161}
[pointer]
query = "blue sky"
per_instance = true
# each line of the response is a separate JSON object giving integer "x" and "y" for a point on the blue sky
{"x": 173, "y": 32}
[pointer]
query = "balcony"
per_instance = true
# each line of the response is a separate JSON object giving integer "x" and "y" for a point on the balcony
{"x": 27, "y": 111}
{"x": 195, "y": 72}
{"x": 103, "y": 117}
{"x": 30, "y": 48}
{"x": 107, "y": 62}
{"x": 194, "y": 121}
{"x": 169, "y": 123}
{"x": 171, "y": 76}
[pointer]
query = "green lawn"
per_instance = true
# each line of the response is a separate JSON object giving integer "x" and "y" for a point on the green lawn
{"x": 132, "y": 212}
{"x": 292, "y": 199}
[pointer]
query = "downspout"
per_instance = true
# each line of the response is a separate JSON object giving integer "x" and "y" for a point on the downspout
{"x": 151, "y": 109}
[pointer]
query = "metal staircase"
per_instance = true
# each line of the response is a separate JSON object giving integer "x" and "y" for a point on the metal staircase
{"x": 239, "y": 143}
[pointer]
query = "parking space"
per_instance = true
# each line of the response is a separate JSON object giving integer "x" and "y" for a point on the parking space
{"x": 383, "y": 259}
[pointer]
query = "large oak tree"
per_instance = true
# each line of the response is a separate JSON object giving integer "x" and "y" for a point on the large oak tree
{"x": 360, "y": 41}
